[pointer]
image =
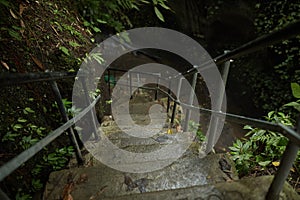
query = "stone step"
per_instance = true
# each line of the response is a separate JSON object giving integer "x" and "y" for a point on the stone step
{"x": 99, "y": 181}
{"x": 188, "y": 177}
{"x": 167, "y": 146}
{"x": 123, "y": 140}
{"x": 142, "y": 139}
{"x": 248, "y": 188}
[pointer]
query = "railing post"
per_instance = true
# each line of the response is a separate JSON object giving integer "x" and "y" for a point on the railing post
{"x": 138, "y": 83}
{"x": 175, "y": 104}
{"x": 215, "y": 120}
{"x": 157, "y": 85}
{"x": 169, "y": 93}
{"x": 285, "y": 166}
{"x": 173, "y": 114}
{"x": 65, "y": 117}
{"x": 191, "y": 99}
{"x": 88, "y": 102}
{"x": 130, "y": 85}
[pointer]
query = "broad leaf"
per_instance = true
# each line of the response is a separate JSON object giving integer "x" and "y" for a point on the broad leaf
{"x": 101, "y": 21}
{"x": 295, "y": 90}
{"x": 22, "y": 120}
{"x": 247, "y": 127}
{"x": 74, "y": 44}
{"x": 264, "y": 163}
{"x": 64, "y": 50}
{"x": 97, "y": 30}
{"x": 296, "y": 105}
{"x": 158, "y": 14}
{"x": 162, "y": 4}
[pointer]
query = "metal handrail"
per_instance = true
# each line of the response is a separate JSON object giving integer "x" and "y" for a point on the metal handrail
{"x": 274, "y": 37}
{"x": 290, "y": 151}
{"x": 294, "y": 137}
{"x": 16, "y": 162}
{"x": 13, "y": 164}
{"x": 7, "y": 79}
{"x": 287, "y": 131}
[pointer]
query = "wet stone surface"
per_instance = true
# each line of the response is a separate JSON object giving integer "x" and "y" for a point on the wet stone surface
{"x": 245, "y": 189}
{"x": 188, "y": 171}
{"x": 102, "y": 181}
{"x": 189, "y": 177}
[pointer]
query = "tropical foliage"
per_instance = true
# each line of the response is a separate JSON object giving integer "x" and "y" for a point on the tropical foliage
{"x": 262, "y": 150}
{"x": 114, "y": 14}
{"x": 271, "y": 85}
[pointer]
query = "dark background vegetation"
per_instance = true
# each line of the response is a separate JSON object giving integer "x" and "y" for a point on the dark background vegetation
{"x": 56, "y": 35}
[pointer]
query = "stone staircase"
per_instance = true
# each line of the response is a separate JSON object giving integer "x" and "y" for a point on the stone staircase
{"x": 189, "y": 177}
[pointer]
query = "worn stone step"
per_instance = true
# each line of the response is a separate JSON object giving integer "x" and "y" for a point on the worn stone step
{"x": 123, "y": 140}
{"x": 141, "y": 124}
{"x": 248, "y": 188}
{"x": 99, "y": 181}
{"x": 137, "y": 108}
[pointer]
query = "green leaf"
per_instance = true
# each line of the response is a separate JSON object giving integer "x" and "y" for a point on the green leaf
{"x": 124, "y": 36}
{"x": 270, "y": 114}
{"x": 74, "y": 44}
{"x": 233, "y": 148}
{"x": 14, "y": 34}
{"x": 158, "y": 14}
{"x": 27, "y": 109}
{"x": 9, "y": 136}
{"x": 239, "y": 143}
{"x": 295, "y": 90}
{"x": 22, "y": 120}
{"x": 162, "y": 4}
{"x": 97, "y": 57}
{"x": 36, "y": 184}
{"x": 281, "y": 114}
{"x": 64, "y": 50}
{"x": 296, "y": 105}
{"x": 97, "y": 30}
{"x": 17, "y": 126}
{"x": 282, "y": 142}
{"x": 101, "y": 21}
{"x": 247, "y": 127}
{"x": 67, "y": 103}
{"x": 135, "y": 7}
{"x": 108, "y": 101}
{"x": 16, "y": 28}
{"x": 264, "y": 163}
{"x": 145, "y": 1}
{"x": 86, "y": 23}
